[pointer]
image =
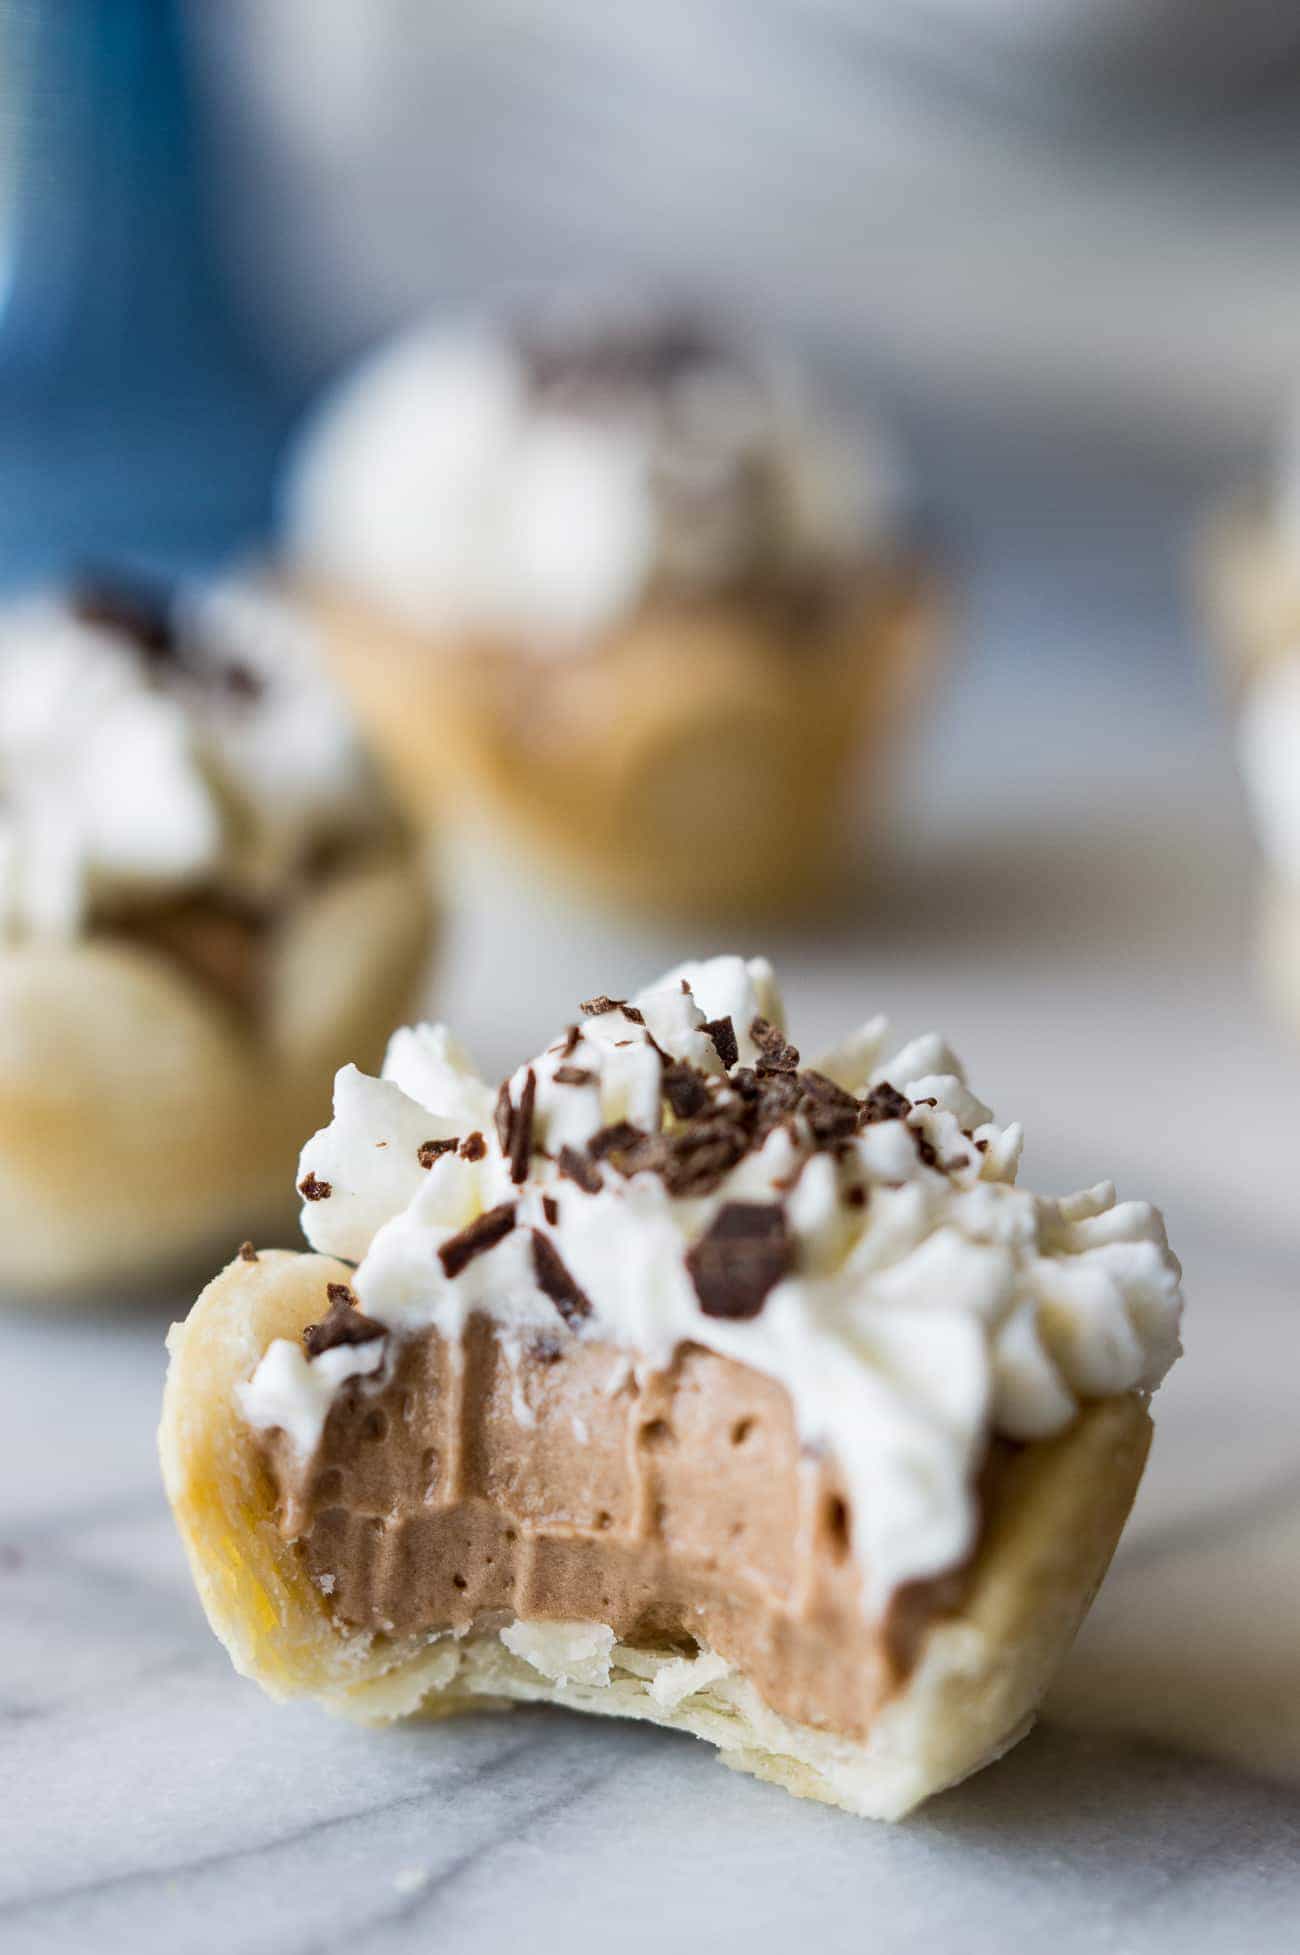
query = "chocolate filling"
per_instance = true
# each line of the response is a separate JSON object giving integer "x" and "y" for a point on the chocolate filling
{"x": 479, "y": 1482}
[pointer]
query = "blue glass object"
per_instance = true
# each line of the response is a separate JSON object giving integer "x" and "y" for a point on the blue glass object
{"x": 134, "y": 421}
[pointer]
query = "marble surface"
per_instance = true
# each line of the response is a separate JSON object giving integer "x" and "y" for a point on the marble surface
{"x": 1072, "y": 903}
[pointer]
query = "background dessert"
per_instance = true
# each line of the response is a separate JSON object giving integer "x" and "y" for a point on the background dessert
{"x": 663, "y": 1257}
{"x": 618, "y": 580}
{"x": 206, "y": 900}
{"x": 1249, "y": 573}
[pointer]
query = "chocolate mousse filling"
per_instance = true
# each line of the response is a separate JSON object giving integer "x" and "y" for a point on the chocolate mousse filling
{"x": 504, "y": 1476}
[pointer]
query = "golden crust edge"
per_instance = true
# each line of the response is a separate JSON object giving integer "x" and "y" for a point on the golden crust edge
{"x": 973, "y": 1694}
{"x": 227, "y": 1113}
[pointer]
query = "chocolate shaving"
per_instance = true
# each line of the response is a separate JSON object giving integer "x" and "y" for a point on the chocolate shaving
{"x": 504, "y": 1114}
{"x": 741, "y": 1257}
{"x": 614, "y": 1139}
{"x": 343, "y": 1324}
{"x": 459, "y": 1251}
{"x": 775, "y": 1053}
{"x": 598, "y": 1006}
{"x": 551, "y": 1209}
{"x": 572, "y": 1039}
{"x": 684, "y": 1089}
{"x": 429, "y": 1150}
{"x": 241, "y": 682}
{"x": 576, "y": 1167}
{"x": 723, "y": 1034}
{"x": 515, "y": 1126}
{"x": 473, "y": 1147}
{"x": 247, "y": 1253}
{"x": 312, "y": 1189}
{"x": 631, "y": 1012}
{"x": 572, "y": 1076}
{"x": 521, "y": 1140}
{"x": 831, "y": 1113}
{"x": 554, "y": 1280}
{"x": 132, "y": 606}
{"x": 884, "y": 1102}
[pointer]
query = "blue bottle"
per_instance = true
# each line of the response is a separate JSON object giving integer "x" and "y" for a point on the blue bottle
{"x": 135, "y": 423}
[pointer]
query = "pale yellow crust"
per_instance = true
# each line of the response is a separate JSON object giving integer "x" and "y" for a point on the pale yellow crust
{"x": 973, "y": 1694}
{"x": 691, "y": 761}
{"x": 143, "y": 1124}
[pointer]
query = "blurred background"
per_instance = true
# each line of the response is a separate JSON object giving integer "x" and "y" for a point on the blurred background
{"x": 1057, "y": 249}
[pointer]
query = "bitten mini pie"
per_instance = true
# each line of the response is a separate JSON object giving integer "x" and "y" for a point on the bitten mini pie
{"x": 206, "y": 905}
{"x": 676, "y": 1381}
{"x": 643, "y": 604}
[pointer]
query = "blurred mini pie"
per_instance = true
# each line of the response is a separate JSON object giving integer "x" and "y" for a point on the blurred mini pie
{"x": 1250, "y": 584}
{"x": 206, "y": 904}
{"x": 1268, "y": 752}
{"x": 1249, "y": 567}
{"x": 676, "y": 1381}
{"x": 617, "y": 582}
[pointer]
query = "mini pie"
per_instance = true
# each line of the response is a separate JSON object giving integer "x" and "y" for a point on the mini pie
{"x": 207, "y": 903}
{"x": 645, "y": 607}
{"x": 676, "y": 1381}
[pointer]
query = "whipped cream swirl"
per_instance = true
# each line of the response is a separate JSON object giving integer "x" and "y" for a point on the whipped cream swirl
{"x": 540, "y": 482}
{"x": 156, "y": 743}
{"x": 853, "y": 1231}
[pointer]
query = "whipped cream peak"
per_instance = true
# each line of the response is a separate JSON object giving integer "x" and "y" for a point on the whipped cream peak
{"x": 540, "y": 478}
{"x": 667, "y": 1171}
{"x": 154, "y": 743}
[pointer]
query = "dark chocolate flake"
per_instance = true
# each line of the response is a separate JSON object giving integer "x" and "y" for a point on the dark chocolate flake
{"x": 577, "y": 1167}
{"x": 131, "y": 606}
{"x": 504, "y": 1116}
{"x": 684, "y": 1089}
{"x": 515, "y": 1126}
{"x": 723, "y": 1034}
{"x": 342, "y": 1324}
{"x": 247, "y": 1253}
{"x": 572, "y": 1076}
{"x": 554, "y": 1280}
{"x": 599, "y": 1006}
{"x": 775, "y": 1053}
{"x": 473, "y": 1147}
{"x": 312, "y": 1189}
{"x": 459, "y": 1251}
{"x": 884, "y": 1102}
{"x": 241, "y": 682}
{"x": 551, "y": 1209}
{"x": 521, "y": 1137}
{"x": 740, "y": 1258}
{"x": 614, "y": 1139}
{"x": 429, "y": 1151}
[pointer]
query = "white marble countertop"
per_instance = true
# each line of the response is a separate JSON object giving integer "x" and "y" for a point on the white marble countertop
{"x": 1073, "y": 908}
